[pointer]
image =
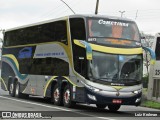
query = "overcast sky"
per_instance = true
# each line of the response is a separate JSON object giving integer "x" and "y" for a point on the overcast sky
{"x": 15, "y": 13}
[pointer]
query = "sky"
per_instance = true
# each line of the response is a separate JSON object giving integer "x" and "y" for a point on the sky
{"x": 14, "y": 13}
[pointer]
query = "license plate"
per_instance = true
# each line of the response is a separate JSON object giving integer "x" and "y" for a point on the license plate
{"x": 117, "y": 101}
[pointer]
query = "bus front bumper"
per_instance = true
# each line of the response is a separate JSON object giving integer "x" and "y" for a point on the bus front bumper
{"x": 105, "y": 97}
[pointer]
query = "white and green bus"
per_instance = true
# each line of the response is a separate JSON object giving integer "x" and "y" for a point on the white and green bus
{"x": 89, "y": 59}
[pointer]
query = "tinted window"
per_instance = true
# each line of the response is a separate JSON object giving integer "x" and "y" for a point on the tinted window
{"x": 77, "y": 27}
{"x": 157, "y": 49}
{"x": 44, "y": 66}
{"x": 49, "y": 32}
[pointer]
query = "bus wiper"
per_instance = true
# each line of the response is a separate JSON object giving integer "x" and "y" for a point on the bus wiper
{"x": 106, "y": 79}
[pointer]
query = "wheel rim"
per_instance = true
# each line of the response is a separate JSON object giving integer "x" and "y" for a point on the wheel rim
{"x": 67, "y": 96}
{"x": 11, "y": 88}
{"x": 17, "y": 90}
{"x": 56, "y": 95}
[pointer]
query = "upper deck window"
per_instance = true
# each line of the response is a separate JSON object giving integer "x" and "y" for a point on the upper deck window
{"x": 48, "y": 32}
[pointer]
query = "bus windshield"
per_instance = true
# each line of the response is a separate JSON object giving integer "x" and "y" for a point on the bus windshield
{"x": 109, "y": 28}
{"x": 113, "y": 68}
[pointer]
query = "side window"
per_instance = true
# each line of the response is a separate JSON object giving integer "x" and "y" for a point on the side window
{"x": 77, "y": 26}
{"x": 49, "y": 32}
{"x": 49, "y": 66}
{"x": 61, "y": 32}
{"x": 157, "y": 49}
{"x": 6, "y": 39}
{"x": 11, "y": 38}
{"x": 46, "y": 32}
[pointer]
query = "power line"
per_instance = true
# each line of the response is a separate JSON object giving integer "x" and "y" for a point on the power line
{"x": 68, "y": 6}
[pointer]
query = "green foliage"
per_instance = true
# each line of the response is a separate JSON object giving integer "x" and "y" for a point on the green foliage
{"x": 151, "y": 104}
{"x": 145, "y": 81}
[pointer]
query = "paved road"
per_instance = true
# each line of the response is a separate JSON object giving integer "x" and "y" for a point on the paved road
{"x": 79, "y": 112}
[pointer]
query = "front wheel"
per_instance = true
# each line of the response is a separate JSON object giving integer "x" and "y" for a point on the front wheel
{"x": 67, "y": 97}
{"x": 114, "y": 107}
{"x": 101, "y": 106}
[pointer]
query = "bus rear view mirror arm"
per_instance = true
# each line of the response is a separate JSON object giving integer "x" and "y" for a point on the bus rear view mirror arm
{"x": 87, "y": 46}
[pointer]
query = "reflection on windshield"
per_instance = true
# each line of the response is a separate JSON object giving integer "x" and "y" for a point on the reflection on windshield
{"x": 112, "y": 28}
{"x": 104, "y": 66}
{"x": 131, "y": 67}
{"x": 109, "y": 67}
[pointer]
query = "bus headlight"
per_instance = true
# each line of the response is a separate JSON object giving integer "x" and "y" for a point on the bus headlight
{"x": 96, "y": 90}
{"x": 137, "y": 91}
{"x": 92, "y": 88}
{"x": 92, "y": 97}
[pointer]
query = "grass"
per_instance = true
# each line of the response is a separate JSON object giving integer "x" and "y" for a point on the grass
{"x": 151, "y": 104}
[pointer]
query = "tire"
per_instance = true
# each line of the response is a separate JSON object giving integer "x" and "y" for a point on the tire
{"x": 114, "y": 107}
{"x": 12, "y": 89}
{"x": 101, "y": 106}
{"x": 67, "y": 102}
{"x": 56, "y": 96}
{"x": 18, "y": 94}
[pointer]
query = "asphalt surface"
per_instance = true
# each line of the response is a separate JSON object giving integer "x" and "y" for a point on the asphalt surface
{"x": 79, "y": 112}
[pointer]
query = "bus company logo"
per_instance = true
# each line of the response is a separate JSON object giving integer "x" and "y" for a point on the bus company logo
{"x": 101, "y": 21}
{"x": 6, "y": 114}
{"x": 117, "y": 84}
{"x": 117, "y": 94}
{"x": 25, "y": 52}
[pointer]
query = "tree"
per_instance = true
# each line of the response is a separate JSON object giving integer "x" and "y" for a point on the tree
{"x": 147, "y": 41}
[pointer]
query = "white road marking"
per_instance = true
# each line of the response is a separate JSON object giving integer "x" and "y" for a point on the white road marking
{"x": 33, "y": 103}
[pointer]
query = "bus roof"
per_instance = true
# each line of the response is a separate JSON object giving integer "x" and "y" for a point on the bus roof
{"x": 70, "y": 16}
{"x": 99, "y": 16}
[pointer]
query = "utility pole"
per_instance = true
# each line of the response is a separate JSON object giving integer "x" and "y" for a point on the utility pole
{"x": 136, "y": 14}
{"x": 96, "y": 11}
{"x": 122, "y": 12}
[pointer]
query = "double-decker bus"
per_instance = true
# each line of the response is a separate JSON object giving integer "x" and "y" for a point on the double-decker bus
{"x": 76, "y": 59}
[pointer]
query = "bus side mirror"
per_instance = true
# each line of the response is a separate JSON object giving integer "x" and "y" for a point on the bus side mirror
{"x": 143, "y": 41}
{"x": 87, "y": 46}
{"x": 152, "y": 53}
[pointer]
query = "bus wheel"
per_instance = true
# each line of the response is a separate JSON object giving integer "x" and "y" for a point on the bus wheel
{"x": 12, "y": 88}
{"x": 114, "y": 107}
{"x": 17, "y": 91}
{"x": 67, "y": 97}
{"x": 101, "y": 106}
{"x": 56, "y": 95}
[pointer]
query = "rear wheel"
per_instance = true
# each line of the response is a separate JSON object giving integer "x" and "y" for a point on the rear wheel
{"x": 101, "y": 106}
{"x": 67, "y": 97}
{"x": 17, "y": 90}
{"x": 56, "y": 95}
{"x": 12, "y": 88}
{"x": 114, "y": 107}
